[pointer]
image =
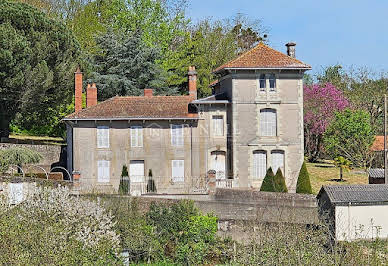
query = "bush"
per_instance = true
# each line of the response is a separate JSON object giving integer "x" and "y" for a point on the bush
{"x": 268, "y": 181}
{"x": 303, "y": 185}
{"x": 52, "y": 227}
{"x": 280, "y": 182}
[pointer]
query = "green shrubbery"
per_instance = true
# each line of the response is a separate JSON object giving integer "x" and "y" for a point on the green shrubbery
{"x": 124, "y": 181}
{"x": 274, "y": 183}
{"x": 303, "y": 185}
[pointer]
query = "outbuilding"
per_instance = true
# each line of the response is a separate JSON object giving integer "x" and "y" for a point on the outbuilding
{"x": 355, "y": 211}
{"x": 376, "y": 176}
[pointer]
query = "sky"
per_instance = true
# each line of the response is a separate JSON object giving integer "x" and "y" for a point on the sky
{"x": 352, "y": 33}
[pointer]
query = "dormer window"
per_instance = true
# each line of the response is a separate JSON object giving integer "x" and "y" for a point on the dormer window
{"x": 262, "y": 82}
{"x": 272, "y": 82}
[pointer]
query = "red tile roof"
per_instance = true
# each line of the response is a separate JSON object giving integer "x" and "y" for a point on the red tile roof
{"x": 378, "y": 144}
{"x": 155, "y": 107}
{"x": 263, "y": 56}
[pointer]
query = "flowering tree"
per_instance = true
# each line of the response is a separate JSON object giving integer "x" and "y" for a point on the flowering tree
{"x": 320, "y": 104}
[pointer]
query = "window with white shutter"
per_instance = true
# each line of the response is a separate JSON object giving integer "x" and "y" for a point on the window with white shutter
{"x": 136, "y": 136}
{"x": 102, "y": 137}
{"x": 268, "y": 123}
{"x": 103, "y": 171}
{"x": 177, "y": 135}
{"x": 178, "y": 170}
{"x": 218, "y": 125}
{"x": 277, "y": 160}
{"x": 259, "y": 167}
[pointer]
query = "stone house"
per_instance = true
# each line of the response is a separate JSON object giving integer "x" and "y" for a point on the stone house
{"x": 253, "y": 121}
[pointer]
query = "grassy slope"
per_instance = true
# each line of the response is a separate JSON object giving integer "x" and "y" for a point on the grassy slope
{"x": 324, "y": 174}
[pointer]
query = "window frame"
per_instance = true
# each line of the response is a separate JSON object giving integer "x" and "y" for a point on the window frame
{"x": 272, "y": 77}
{"x": 137, "y": 132}
{"x": 176, "y": 178}
{"x": 101, "y": 144}
{"x": 105, "y": 170}
{"x": 258, "y": 173}
{"x": 215, "y": 119}
{"x": 180, "y": 140}
{"x": 266, "y": 127}
{"x": 262, "y": 82}
{"x": 283, "y": 156}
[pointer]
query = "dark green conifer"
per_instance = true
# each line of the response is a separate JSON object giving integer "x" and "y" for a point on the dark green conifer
{"x": 303, "y": 185}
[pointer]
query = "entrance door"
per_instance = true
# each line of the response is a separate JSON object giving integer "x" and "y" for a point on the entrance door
{"x": 218, "y": 164}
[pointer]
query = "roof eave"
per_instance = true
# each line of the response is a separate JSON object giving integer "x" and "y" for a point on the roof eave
{"x": 261, "y": 68}
{"x": 130, "y": 118}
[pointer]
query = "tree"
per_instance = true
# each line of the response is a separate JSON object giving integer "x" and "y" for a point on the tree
{"x": 124, "y": 181}
{"x": 268, "y": 182}
{"x": 279, "y": 182}
{"x": 342, "y": 164}
{"x": 350, "y": 135}
{"x": 18, "y": 156}
{"x": 320, "y": 104}
{"x": 37, "y": 59}
{"x": 303, "y": 185}
{"x": 126, "y": 66}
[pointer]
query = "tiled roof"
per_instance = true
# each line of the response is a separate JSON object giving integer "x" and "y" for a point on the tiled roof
{"x": 376, "y": 173}
{"x": 263, "y": 56}
{"x": 356, "y": 194}
{"x": 154, "y": 107}
{"x": 378, "y": 144}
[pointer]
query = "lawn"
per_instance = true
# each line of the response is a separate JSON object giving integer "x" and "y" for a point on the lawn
{"x": 326, "y": 174}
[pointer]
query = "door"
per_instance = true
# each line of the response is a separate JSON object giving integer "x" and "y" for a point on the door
{"x": 218, "y": 164}
{"x": 136, "y": 171}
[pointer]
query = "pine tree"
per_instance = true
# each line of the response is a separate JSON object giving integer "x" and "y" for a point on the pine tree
{"x": 303, "y": 185}
{"x": 268, "y": 182}
{"x": 124, "y": 181}
{"x": 280, "y": 182}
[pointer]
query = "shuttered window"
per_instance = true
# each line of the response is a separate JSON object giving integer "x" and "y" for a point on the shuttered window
{"x": 218, "y": 125}
{"x": 102, "y": 137}
{"x": 136, "y": 136}
{"x": 277, "y": 161}
{"x": 103, "y": 171}
{"x": 259, "y": 167}
{"x": 262, "y": 82}
{"x": 177, "y": 135}
{"x": 178, "y": 170}
{"x": 272, "y": 82}
{"x": 268, "y": 122}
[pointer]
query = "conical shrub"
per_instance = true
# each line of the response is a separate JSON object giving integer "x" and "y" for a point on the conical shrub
{"x": 124, "y": 181}
{"x": 280, "y": 182}
{"x": 303, "y": 185}
{"x": 268, "y": 182}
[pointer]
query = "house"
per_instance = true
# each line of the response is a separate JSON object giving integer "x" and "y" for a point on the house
{"x": 355, "y": 211}
{"x": 253, "y": 121}
{"x": 376, "y": 176}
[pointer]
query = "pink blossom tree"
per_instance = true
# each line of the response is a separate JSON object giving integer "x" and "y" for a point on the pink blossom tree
{"x": 321, "y": 101}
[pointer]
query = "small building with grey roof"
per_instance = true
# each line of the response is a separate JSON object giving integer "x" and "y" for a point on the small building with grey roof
{"x": 355, "y": 211}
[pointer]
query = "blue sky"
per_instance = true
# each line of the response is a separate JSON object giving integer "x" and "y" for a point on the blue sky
{"x": 353, "y": 33}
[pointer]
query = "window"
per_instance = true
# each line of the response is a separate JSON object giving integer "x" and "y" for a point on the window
{"x": 277, "y": 161}
{"x": 177, "y": 135}
{"x": 136, "y": 136}
{"x": 272, "y": 82}
{"x": 103, "y": 171}
{"x": 136, "y": 171}
{"x": 268, "y": 122}
{"x": 178, "y": 170}
{"x": 262, "y": 82}
{"x": 102, "y": 137}
{"x": 218, "y": 125}
{"x": 259, "y": 167}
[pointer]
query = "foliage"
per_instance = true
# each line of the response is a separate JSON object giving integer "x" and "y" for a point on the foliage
{"x": 151, "y": 187}
{"x": 320, "y": 104}
{"x": 303, "y": 184}
{"x": 350, "y": 135}
{"x": 125, "y": 66}
{"x": 124, "y": 181}
{"x": 38, "y": 58}
{"x": 342, "y": 164}
{"x": 18, "y": 156}
{"x": 268, "y": 181}
{"x": 279, "y": 182}
{"x": 53, "y": 227}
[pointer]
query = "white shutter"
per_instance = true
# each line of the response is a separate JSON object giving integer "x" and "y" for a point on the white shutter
{"x": 268, "y": 123}
{"x": 178, "y": 170}
{"x": 177, "y": 135}
{"x": 277, "y": 161}
{"x": 136, "y": 136}
{"x": 173, "y": 135}
{"x": 259, "y": 164}
{"x": 103, "y": 171}
{"x": 136, "y": 171}
{"x": 102, "y": 137}
{"x": 218, "y": 125}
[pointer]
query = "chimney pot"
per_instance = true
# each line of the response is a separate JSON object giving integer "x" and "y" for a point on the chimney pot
{"x": 148, "y": 92}
{"x": 192, "y": 75}
{"x": 78, "y": 90}
{"x": 291, "y": 49}
{"x": 91, "y": 95}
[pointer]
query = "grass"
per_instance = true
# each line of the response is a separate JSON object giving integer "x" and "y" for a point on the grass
{"x": 326, "y": 174}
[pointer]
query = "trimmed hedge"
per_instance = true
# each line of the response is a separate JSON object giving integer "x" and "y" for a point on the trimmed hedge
{"x": 268, "y": 181}
{"x": 280, "y": 182}
{"x": 303, "y": 185}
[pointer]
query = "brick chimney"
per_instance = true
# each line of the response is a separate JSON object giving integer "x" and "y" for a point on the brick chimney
{"x": 78, "y": 90}
{"x": 91, "y": 95}
{"x": 192, "y": 82}
{"x": 148, "y": 92}
{"x": 291, "y": 49}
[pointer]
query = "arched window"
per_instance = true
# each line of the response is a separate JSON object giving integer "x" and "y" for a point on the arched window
{"x": 262, "y": 82}
{"x": 272, "y": 82}
{"x": 259, "y": 164}
{"x": 268, "y": 124}
{"x": 277, "y": 160}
